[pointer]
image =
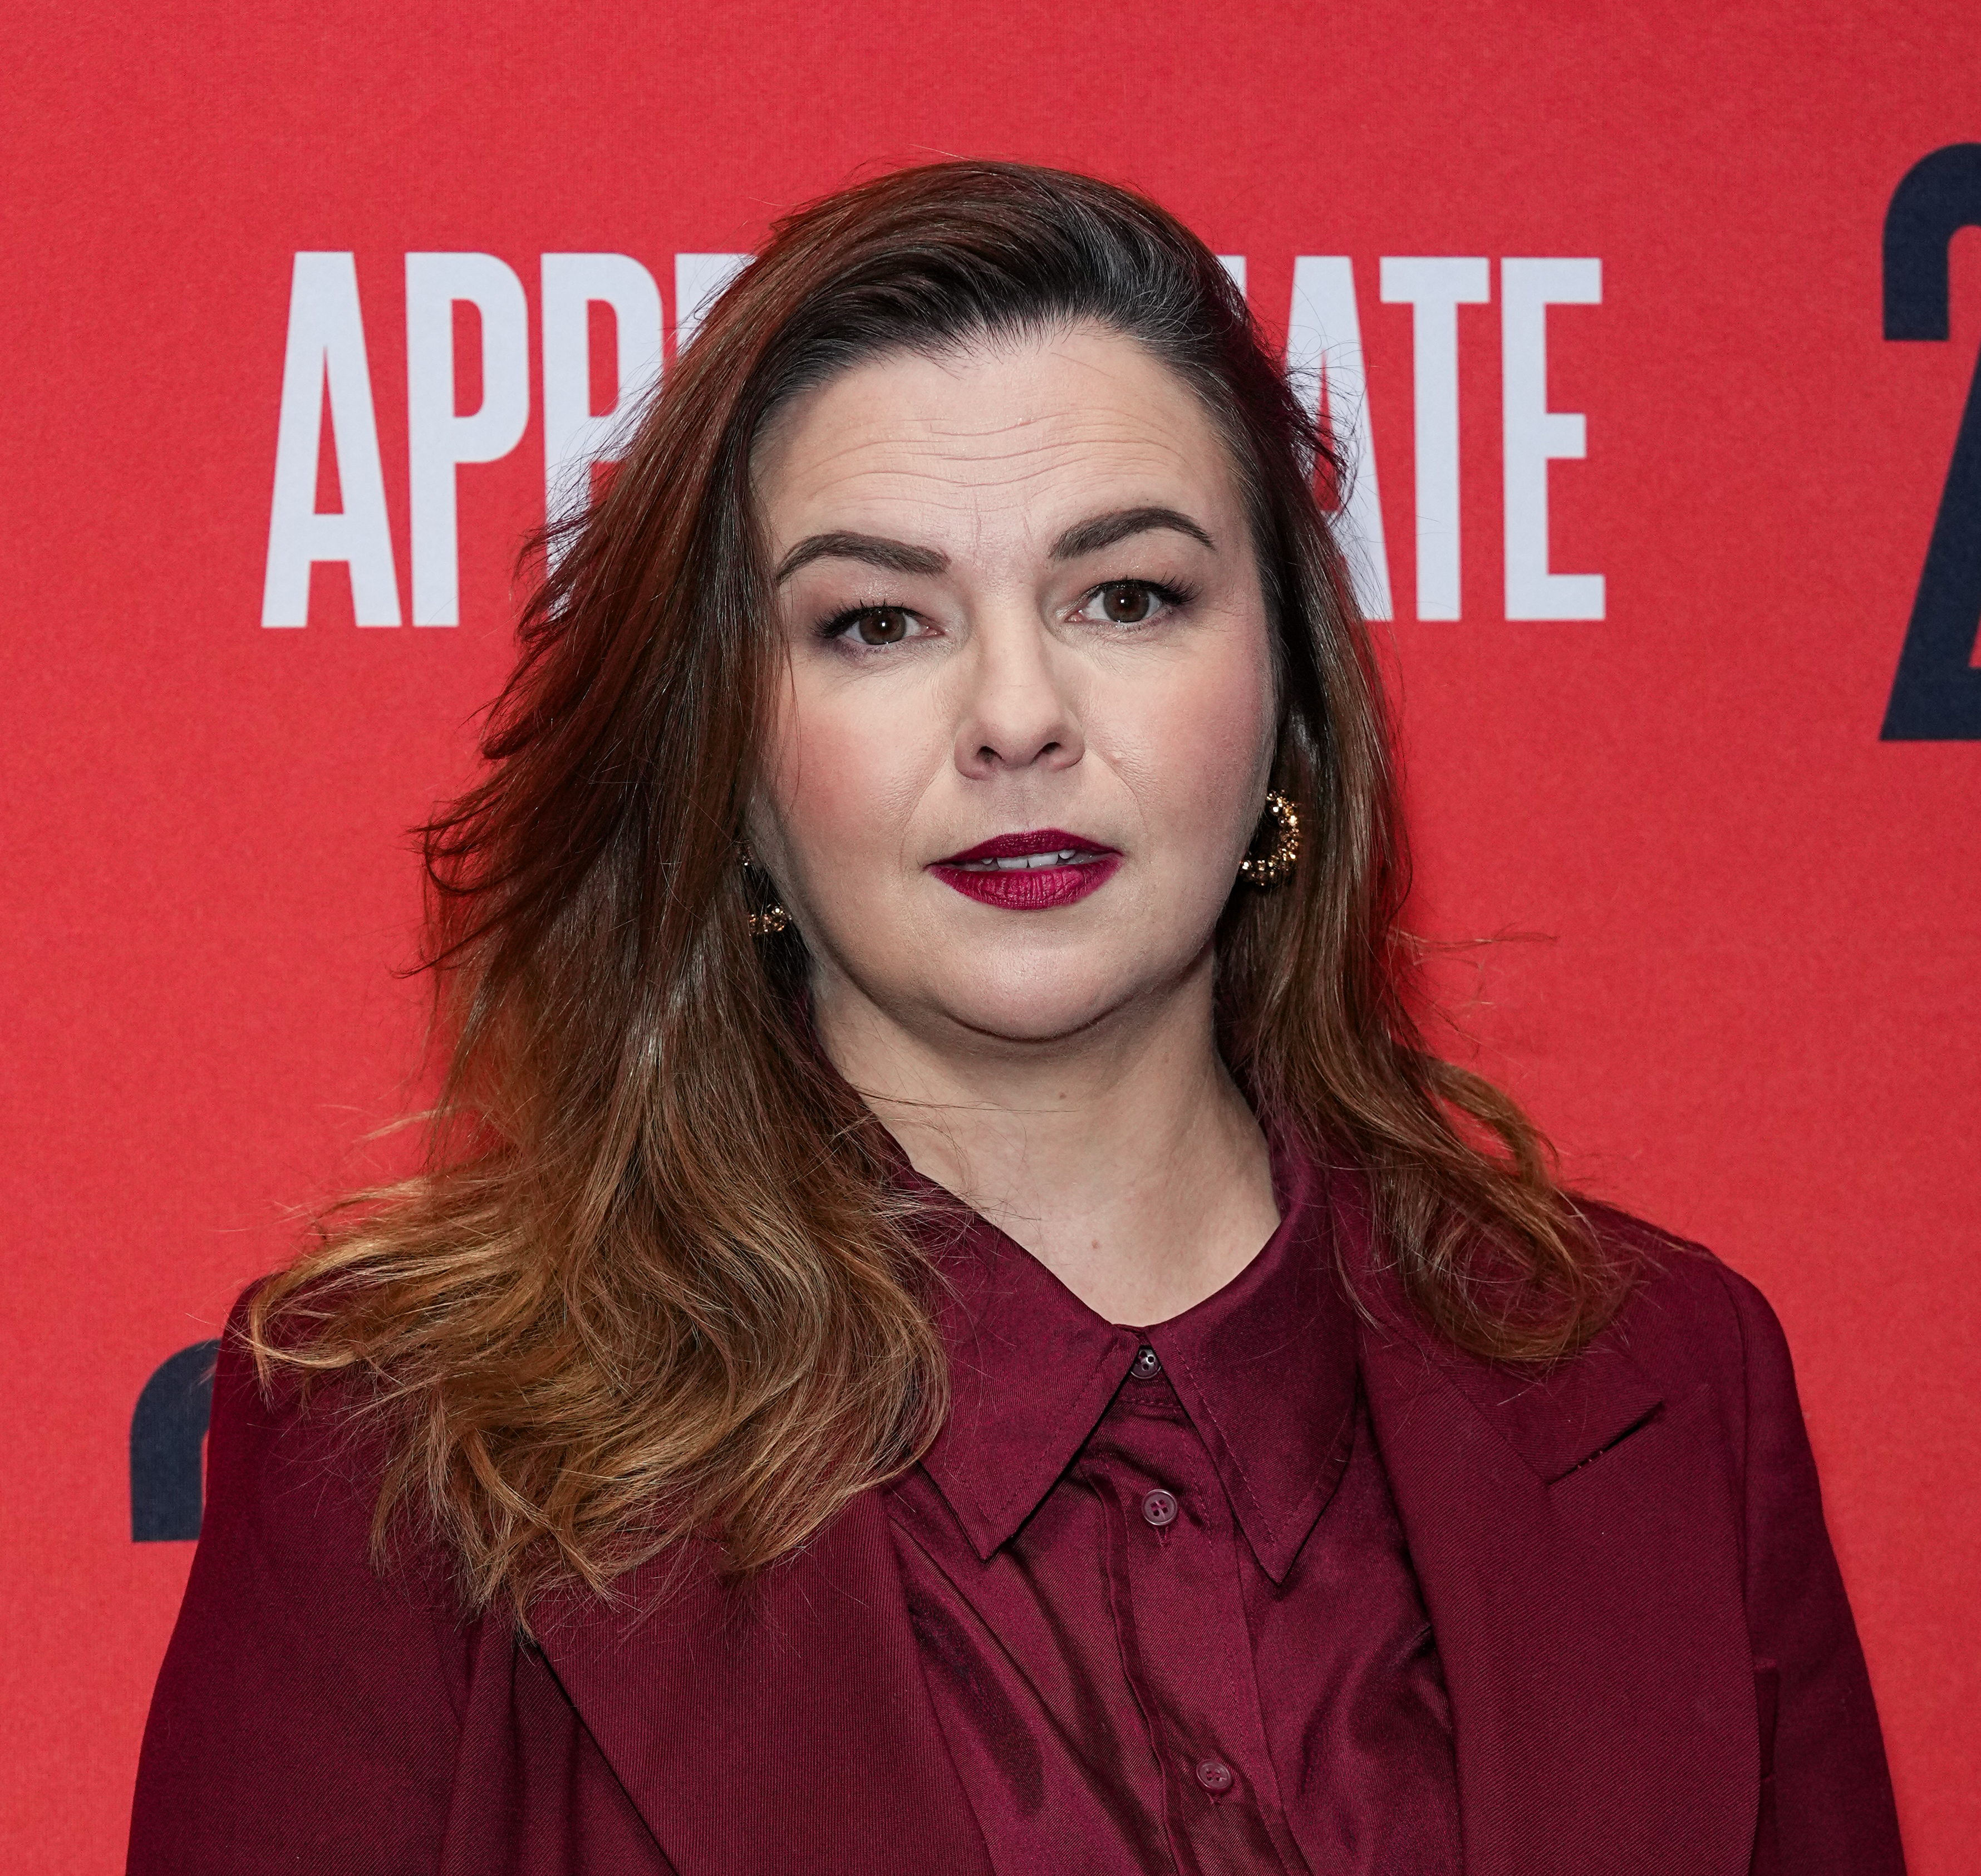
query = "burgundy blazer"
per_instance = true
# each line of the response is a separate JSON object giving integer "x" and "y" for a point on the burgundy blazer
{"x": 1652, "y": 1666}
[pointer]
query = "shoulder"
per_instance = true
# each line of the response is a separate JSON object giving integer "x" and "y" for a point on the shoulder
{"x": 296, "y": 1464}
{"x": 294, "y": 1474}
{"x": 1692, "y": 1323}
{"x": 296, "y": 1648}
{"x": 1689, "y": 1317}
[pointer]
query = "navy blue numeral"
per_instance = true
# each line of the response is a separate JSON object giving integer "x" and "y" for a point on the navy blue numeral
{"x": 166, "y": 1429}
{"x": 1936, "y": 694}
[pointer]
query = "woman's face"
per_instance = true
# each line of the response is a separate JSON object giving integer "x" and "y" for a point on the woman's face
{"x": 1028, "y": 717}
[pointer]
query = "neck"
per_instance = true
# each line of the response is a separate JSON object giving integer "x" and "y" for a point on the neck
{"x": 1123, "y": 1158}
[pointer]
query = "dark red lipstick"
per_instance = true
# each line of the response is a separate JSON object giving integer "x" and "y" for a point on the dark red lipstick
{"x": 1030, "y": 872}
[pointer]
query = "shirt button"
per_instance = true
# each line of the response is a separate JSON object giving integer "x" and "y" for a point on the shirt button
{"x": 1160, "y": 1508}
{"x": 1147, "y": 1365}
{"x": 1215, "y": 1776}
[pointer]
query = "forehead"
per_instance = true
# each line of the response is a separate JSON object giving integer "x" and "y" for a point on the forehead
{"x": 1015, "y": 438}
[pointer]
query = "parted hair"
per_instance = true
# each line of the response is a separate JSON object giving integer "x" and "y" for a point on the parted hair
{"x": 655, "y": 1280}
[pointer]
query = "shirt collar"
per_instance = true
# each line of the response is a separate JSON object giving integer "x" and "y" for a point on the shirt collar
{"x": 1265, "y": 1367}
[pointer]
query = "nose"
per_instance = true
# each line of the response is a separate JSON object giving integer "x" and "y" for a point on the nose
{"x": 1016, "y": 713}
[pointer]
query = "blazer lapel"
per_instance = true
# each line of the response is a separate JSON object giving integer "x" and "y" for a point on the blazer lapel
{"x": 1575, "y": 1538}
{"x": 785, "y": 1727}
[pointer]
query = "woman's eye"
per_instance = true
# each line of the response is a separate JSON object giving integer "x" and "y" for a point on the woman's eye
{"x": 878, "y": 625}
{"x": 1126, "y": 602}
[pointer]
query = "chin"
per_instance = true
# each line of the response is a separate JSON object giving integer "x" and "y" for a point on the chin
{"x": 1015, "y": 1000}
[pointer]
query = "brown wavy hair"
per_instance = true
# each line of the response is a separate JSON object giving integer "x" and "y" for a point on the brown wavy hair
{"x": 655, "y": 1280}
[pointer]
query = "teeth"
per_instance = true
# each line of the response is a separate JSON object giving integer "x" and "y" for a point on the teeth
{"x": 1024, "y": 862}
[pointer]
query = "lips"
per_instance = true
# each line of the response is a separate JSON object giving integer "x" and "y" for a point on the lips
{"x": 1030, "y": 872}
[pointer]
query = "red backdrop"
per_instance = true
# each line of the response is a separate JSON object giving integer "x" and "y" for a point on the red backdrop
{"x": 1742, "y": 968}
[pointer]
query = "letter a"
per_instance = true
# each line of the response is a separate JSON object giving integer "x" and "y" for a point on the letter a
{"x": 326, "y": 347}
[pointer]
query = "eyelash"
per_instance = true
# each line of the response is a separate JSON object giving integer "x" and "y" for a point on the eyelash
{"x": 841, "y": 623}
{"x": 1175, "y": 597}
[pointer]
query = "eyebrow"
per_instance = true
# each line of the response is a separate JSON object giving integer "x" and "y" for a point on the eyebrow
{"x": 891, "y": 556}
{"x": 873, "y": 549}
{"x": 1089, "y": 537}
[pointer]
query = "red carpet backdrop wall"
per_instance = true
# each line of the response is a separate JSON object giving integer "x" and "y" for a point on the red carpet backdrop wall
{"x": 1654, "y": 329}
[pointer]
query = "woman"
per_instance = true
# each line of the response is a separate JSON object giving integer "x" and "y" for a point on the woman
{"x": 952, "y": 1322}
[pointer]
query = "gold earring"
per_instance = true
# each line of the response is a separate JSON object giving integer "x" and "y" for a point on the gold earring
{"x": 1269, "y": 869}
{"x": 773, "y": 919}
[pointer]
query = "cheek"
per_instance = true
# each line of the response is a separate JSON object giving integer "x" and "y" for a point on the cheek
{"x": 1197, "y": 753}
{"x": 848, "y": 768}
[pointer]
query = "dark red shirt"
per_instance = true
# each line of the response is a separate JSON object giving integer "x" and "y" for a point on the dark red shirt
{"x": 1166, "y": 1612}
